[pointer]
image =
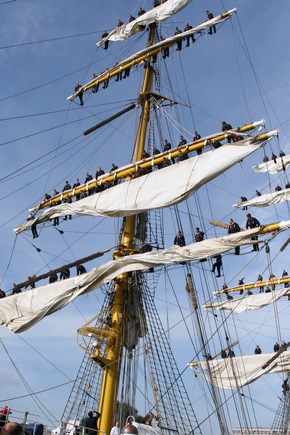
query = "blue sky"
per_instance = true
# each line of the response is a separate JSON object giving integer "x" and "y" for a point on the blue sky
{"x": 239, "y": 75}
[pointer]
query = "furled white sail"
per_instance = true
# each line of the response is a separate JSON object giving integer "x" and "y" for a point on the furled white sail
{"x": 154, "y": 190}
{"x": 232, "y": 373}
{"x": 267, "y": 199}
{"x": 22, "y": 310}
{"x": 271, "y": 167}
{"x": 247, "y": 303}
{"x": 160, "y": 13}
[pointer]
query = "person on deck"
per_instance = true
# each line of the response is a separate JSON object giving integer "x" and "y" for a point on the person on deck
{"x": 2, "y": 294}
{"x": 258, "y": 193}
{"x": 276, "y": 346}
{"x": 116, "y": 429}
{"x": 90, "y": 422}
{"x": 131, "y": 18}
{"x": 186, "y": 28}
{"x": 12, "y": 428}
{"x": 120, "y": 23}
{"x": 179, "y": 239}
{"x": 252, "y": 222}
{"x": 217, "y": 265}
{"x": 210, "y": 17}
{"x": 278, "y": 188}
{"x": 80, "y": 95}
{"x": 179, "y": 42}
{"x": 234, "y": 228}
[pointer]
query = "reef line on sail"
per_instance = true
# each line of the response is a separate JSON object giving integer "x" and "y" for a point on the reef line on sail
{"x": 141, "y": 56}
{"x": 21, "y": 311}
{"x": 266, "y": 199}
{"x": 273, "y": 166}
{"x": 150, "y": 191}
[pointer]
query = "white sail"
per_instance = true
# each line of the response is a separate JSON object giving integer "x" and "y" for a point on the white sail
{"x": 23, "y": 310}
{"x": 267, "y": 199}
{"x": 232, "y": 373}
{"x": 248, "y": 303}
{"x": 160, "y": 13}
{"x": 154, "y": 190}
{"x": 273, "y": 168}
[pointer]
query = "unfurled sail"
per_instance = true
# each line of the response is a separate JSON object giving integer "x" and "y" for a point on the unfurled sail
{"x": 160, "y": 13}
{"x": 249, "y": 302}
{"x": 22, "y": 310}
{"x": 273, "y": 166}
{"x": 152, "y": 191}
{"x": 235, "y": 372}
{"x": 267, "y": 199}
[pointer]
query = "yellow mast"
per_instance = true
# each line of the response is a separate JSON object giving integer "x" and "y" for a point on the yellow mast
{"x": 114, "y": 351}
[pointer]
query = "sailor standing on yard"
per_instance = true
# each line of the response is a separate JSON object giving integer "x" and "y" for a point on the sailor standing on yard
{"x": 234, "y": 228}
{"x": 77, "y": 88}
{"x": 253, "y": 223}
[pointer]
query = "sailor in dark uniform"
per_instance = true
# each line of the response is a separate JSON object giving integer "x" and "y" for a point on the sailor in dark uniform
{"x": 77, "y": 87}
{"x": 210, "y": 17}
{"x": 106, "y": 43}
{"x": 179, "y": 43}
{"x": 188, "y": 27}
{"x": 252, "y": 222}
{"x": 234, "y": 228}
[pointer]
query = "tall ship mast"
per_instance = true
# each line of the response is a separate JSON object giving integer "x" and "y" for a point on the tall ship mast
{"x": 170, "y": 260}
